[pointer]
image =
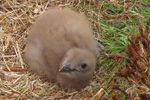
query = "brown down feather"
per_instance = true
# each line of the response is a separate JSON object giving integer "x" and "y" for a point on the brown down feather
{"x": 62, "y": 37}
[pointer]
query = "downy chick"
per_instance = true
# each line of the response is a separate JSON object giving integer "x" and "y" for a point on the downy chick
{"x": 62, "y": 49}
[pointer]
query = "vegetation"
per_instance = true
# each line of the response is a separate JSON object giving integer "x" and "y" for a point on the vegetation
{"x": 122, "y": 26}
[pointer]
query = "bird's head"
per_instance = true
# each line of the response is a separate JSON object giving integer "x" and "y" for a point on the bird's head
{"x": 78, "y": 64}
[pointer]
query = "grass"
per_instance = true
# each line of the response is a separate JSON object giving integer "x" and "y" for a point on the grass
{"x": 16, "y": 17}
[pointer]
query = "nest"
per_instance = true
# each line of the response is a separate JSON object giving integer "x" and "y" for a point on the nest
{"x": 16, "y": 81}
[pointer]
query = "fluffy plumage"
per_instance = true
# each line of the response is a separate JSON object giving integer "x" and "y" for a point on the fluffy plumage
{"x": 62, "y": 49}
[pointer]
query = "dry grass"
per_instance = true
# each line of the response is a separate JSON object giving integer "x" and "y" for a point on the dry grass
{"x": 16, "y": 82}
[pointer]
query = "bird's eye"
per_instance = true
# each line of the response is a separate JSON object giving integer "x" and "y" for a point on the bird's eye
{"x": 83, "y": 66}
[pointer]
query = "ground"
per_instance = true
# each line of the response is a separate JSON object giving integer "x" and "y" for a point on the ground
{"x": 113, "y": 22}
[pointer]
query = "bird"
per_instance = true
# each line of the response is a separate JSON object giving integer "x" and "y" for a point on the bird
{"x": 61, "y": 48}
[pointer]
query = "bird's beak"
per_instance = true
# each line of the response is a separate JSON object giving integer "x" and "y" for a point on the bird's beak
{"x": 66, "y": 67}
